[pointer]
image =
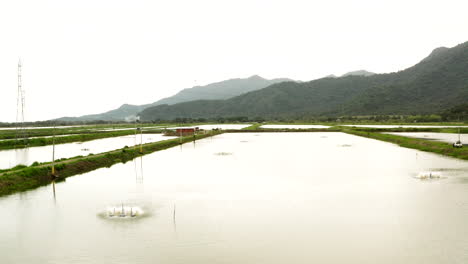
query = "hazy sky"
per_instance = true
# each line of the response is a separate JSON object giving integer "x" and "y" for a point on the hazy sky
{"x": 89, "y": 56}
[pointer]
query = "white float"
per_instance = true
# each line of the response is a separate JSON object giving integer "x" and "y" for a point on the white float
{"x": 124, "y": 211}
{"x": 429, "y": 175}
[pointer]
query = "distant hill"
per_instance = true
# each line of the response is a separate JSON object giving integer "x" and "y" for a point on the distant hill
{"x": 219, "y": 90}
{"x": 125, "y": 112}
{"x": 358, "y": 73}
{"x": 353, "y": 73}
{"x": 439, "y": 82}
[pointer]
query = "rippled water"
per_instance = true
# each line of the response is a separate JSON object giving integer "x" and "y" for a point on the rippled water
{"x": 27, "y": 156}
{"x": 444, "y": 137}
{"x": 274, "y": 198}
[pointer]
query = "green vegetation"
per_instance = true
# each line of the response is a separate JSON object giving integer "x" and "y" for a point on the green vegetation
{"x": 83, "y": 129}
{"x": 255, "y": 126}
{"x": 34, "y": 142}
{"x": 424, "y": 91}
{"x": 414, "y": 143}
{"x": 22, "y": 178}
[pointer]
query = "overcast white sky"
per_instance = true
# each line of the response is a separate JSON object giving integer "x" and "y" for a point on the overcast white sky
{"x": 89, "y": 56}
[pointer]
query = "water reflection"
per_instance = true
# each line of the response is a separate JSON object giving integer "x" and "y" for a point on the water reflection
{"x": 53, "y": 190}
{"x": 138, "y": 165}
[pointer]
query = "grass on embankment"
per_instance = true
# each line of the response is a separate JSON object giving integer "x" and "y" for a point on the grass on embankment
{"x": 35, "y": 176}
{"x": 85, "y": 129}
{"x": 415, "y": 143}
{"x": 255, "y": 126}
{"x": 36, "y": 142}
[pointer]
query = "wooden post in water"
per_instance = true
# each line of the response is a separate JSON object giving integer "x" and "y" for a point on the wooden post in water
{"x": 53, "y": 156}
{"x": 135, "y": 138}
{"x": 141, "y": 140}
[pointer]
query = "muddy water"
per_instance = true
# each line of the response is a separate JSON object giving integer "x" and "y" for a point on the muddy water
{"x": 443, "y": 137}
{"x": 250, "y": 198}
{"x": 294, "y": 126}
{"x": 26, "y": 156}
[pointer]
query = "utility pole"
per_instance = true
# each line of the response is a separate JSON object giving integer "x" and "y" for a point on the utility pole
{"x": 20, "y": 105}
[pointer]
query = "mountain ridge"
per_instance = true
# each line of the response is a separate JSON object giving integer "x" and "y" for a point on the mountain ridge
{"x": 217, "y": 90}
{"x": 436, "y": 83}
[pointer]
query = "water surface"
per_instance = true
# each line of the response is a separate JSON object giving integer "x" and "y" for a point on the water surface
{"x": 443, "y": 137}
{"x": 12, "y": 157}
{"x": 403, "y": 126}
{"x": 294, "y": 126}
{"x": 218, "y": 126}
{"x": 250, "y": 198}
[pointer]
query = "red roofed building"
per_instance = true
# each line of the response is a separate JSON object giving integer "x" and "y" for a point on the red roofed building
{"x": 186, "y": 131}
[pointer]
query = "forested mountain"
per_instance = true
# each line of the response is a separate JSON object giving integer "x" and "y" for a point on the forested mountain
{"x": 219, "y": 90}
{"x": 439, "y": 82}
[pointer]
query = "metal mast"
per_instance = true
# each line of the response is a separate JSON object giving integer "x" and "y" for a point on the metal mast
{"x": 20, "y": 105}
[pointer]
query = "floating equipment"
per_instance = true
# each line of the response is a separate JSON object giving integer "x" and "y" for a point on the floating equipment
{"x": 124, "y": 211}
{"x": 458, "y": 144}
{"x": 429, "y": 175}
{"x": 111, "y": 213}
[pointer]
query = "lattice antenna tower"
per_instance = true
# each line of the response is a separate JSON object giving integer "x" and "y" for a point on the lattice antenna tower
{"x": 21, "y": 134}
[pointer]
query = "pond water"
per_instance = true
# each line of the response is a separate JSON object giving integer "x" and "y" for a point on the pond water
{"x": 46, "y": 127}
{"x": 128, "y": 128}
{"x": 219, "y": 126}
{"x": 403, "y": 126}
{"x": 250, "y": 198}
{"x": 444, "y": 137}
{"x": 38, "y": 137}
{"x": 27, "y": 156}
{"x": 294, "y": 126}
